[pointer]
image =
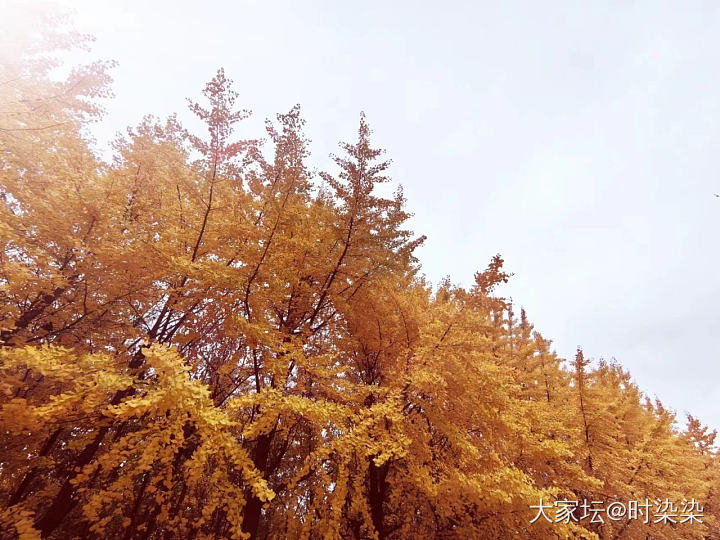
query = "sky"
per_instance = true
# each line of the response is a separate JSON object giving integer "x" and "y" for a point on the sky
{"x": 580, "y": 140}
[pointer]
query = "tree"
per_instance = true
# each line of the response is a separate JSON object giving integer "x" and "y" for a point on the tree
{"x": 210, "y": 341}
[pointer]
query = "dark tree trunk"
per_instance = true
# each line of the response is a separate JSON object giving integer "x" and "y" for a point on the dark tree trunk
{"x": 377, "y": 490}
{"x": 253, "y": 507}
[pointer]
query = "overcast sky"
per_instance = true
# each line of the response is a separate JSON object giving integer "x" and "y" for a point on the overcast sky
{"x": 581, "y": 140}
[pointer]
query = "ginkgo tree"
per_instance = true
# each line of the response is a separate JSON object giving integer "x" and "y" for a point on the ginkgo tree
{"x": 202, "y": 338}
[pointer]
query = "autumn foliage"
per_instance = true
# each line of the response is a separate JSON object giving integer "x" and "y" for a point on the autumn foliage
{"x": 201, "y": 338}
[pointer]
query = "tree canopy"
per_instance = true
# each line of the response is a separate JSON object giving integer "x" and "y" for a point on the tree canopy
{"x": 201, "y": 338}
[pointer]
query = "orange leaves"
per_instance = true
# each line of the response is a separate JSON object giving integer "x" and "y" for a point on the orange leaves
{"x": 217, "y": 348}
{"x": 18, "y": 522}
{"x": 176, "y": 414}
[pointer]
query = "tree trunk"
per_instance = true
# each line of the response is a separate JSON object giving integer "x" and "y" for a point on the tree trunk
{"x": 377, "y": 490}
{"x": 253, "y": 507}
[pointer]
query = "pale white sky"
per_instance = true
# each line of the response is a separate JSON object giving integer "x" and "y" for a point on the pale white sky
{"x": 581, "y": 140}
